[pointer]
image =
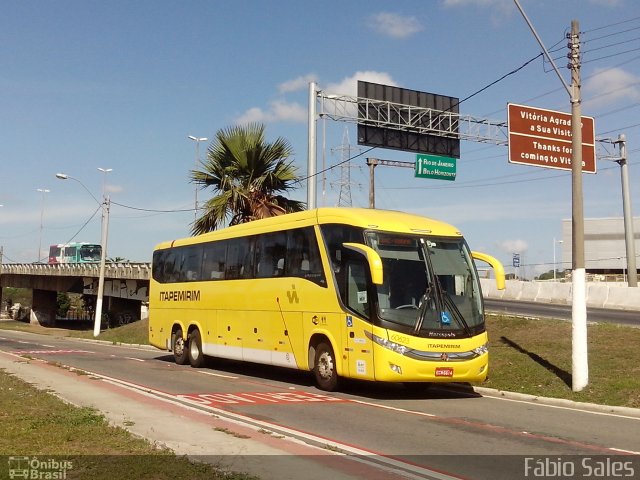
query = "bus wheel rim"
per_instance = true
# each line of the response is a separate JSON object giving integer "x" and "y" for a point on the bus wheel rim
{"x": 325, "y": 366}
{"x": 195, "y": 351}
{"x": 179, "y": 348}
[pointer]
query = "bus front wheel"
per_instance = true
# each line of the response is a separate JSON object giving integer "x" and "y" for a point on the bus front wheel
{"x": 324, "y": 368}
{"x": 179, "y": 348}
{"x": 196, "y": 358}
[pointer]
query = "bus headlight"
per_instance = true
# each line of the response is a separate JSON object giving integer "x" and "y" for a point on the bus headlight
{"x": 394, "y": 347}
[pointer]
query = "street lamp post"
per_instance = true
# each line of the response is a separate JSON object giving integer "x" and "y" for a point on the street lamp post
{"x": 104, "y": 179}
{"x": 105, "y": 205}
{"x": 197, "y": 140}
{"x": 554, "y": 256}
{"x": 43, "y": 191}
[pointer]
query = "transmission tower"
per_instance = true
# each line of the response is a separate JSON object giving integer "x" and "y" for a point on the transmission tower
{"x": 344, "y": 196}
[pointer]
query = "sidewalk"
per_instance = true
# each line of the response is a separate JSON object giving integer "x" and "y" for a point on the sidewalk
{"x": 193, "y": 432}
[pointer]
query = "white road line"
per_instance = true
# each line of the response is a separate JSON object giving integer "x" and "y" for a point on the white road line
{"x": 629, "y": 452}
{"x": 217, "y": 375}
{"x": 397, "y": 409}
{"x": 561, "y": 407}
{"x": 380, "y": 461}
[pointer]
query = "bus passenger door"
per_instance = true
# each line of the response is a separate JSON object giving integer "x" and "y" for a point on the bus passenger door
{"x": 357, "y": 326}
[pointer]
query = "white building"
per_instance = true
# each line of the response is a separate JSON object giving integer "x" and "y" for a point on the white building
{"x": 605, "y": 251}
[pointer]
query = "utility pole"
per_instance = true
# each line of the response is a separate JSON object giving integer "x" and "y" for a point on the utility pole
{"x": 372, "y": 162}
{"x": 628, "y": 216}
{"x": 580, "y": 372}
{"x": 579, "y": 356}
{"x": 311, "y": 150}
{"x": 1, "y": 252}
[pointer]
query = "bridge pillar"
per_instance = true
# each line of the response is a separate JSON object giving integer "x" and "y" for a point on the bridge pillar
{"x": 44, "y": 306}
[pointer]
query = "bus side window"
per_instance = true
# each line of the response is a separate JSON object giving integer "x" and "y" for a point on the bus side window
{"x": 239, "y": 259}
{"x": 214, "y": 260}
{"x": 170, "y": 274}
{"x": 157, "y": 266}
{"x": 303, "y": 256}
{"x": 357, "y": 296}
{"x": 270, "y": 250}
{"x": 192, "y": 263}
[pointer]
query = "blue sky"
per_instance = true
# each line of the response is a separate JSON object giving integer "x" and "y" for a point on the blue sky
{"x": 120, "y": 85}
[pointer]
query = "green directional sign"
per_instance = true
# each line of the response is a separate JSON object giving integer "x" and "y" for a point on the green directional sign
{"x": 435, "y": 166}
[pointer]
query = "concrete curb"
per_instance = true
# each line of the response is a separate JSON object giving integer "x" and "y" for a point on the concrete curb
{"x": 558, "y": 402}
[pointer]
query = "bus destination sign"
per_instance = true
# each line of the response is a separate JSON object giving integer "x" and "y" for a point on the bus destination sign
{"x": 542, "y": 138}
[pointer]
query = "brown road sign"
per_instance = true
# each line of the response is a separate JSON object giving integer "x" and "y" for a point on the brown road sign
{"x": 542, "y": 138}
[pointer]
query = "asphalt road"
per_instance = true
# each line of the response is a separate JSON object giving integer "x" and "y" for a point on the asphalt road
{"x": 385, "y": 429}
{"x": 562, "y": 312}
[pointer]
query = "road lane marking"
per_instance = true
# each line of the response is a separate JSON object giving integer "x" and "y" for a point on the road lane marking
{"x": 491, "y": 427}
{"x": 562, "y": 407}
{"x": 217, "y": 375}
{"x": 48, "y": 352}
{"x": 257, "y": 398}
{"x": 628, "y": 452}
{"x": 367, "y": 457}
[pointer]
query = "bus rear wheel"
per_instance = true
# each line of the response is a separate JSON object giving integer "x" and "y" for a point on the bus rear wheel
{"x": 324, "y": 368}
{"x": 196, "y": 358}
{"x": 179, "y": 348}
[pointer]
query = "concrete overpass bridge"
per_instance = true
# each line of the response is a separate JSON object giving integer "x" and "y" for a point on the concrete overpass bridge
{"x": 126, "y": 286}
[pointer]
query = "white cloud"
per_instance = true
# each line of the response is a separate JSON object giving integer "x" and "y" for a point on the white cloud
{"x": 394, "y": 25}
{"x": 281, "y": 110}
{"x": 297, "y": 84}
{"x": 499, "y": 9}
{"x": 349, "y": 85}
{"x": 606, "y": 3}
{"x": 113, "y": 188}
{"x": 514, "y": 246}
{"x": 278, "y": 111}
{"x": 254, "y": 114}
{"x": 609, "y": 86}
{"x": 288, "y": 111}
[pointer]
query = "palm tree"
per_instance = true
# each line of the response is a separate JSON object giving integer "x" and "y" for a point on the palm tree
{"x": 248, "y": 175}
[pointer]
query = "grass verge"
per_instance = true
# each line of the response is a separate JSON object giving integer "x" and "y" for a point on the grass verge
{"x": 37, "y": 424}
{"x": 534, "y": 357}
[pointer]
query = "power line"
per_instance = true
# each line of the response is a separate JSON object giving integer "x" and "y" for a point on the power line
{"x": 612, "y": 34}
{"x": 152, "y": 210}
{"x": 611, "y": 25}
{"x": 610, "y": 56}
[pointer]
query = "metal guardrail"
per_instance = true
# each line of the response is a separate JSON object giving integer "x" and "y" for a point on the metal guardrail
{"x": 133, "y": 271}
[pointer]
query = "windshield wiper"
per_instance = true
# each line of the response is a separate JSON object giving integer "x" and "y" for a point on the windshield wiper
{"x": 431, "y": 293}
{"x": 423, "y": 305}
{"x": 456, "y": 312}
{"x": 440, "y": 296}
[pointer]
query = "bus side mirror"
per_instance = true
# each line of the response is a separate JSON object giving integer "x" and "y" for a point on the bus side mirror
{"x": 375, "y": 263}
{"x": 498, "y": 269}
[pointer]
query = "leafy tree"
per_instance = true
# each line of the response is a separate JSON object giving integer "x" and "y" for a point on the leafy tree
{"x": 63, "y": 304}
{"x": 118, "y": 260}
{"x": 248, "y": 176}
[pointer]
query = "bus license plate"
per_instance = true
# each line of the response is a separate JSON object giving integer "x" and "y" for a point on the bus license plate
{"x": 444, "y": 372}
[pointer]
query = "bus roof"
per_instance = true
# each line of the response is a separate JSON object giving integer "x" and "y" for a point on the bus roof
{"x": 374, "y": 219}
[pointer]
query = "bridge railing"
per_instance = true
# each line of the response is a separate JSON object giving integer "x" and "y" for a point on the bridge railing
{"x": 129, "y": 270}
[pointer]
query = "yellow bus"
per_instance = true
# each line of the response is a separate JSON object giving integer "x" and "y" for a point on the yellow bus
{"x": 341, "y": 292}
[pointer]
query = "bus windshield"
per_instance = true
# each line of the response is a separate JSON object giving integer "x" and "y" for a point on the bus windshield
{"x": 90, "y": 253}
{"x": 430, "y": 285}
